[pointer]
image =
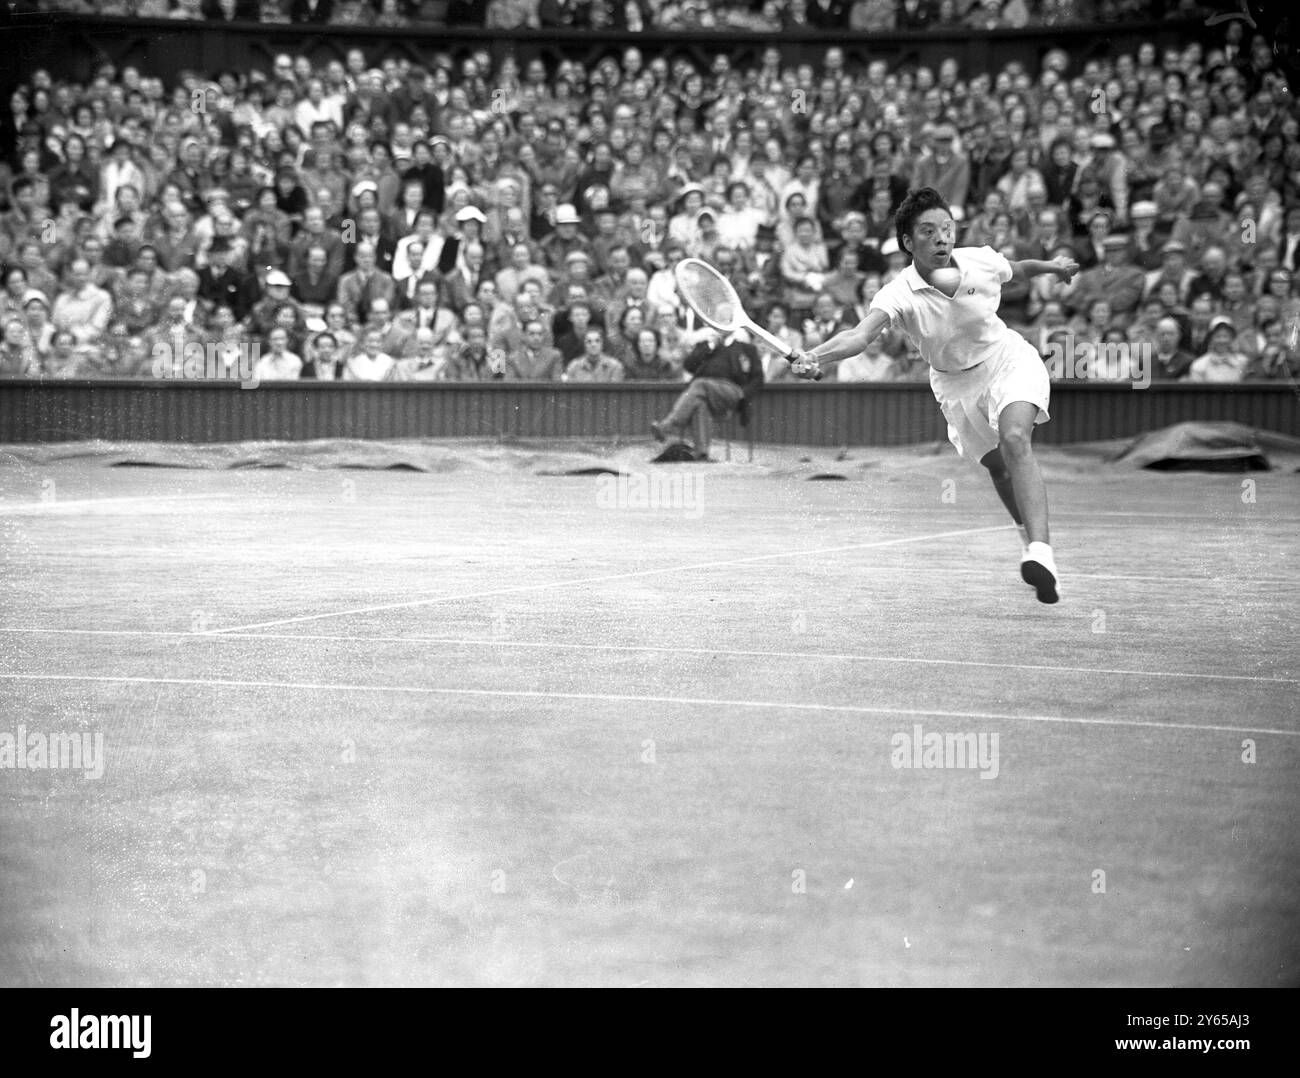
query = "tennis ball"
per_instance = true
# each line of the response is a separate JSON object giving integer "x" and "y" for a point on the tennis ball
{"x": 945, "y": 278}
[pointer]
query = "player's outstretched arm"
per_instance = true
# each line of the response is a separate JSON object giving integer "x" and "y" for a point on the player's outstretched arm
{"x": 849, "y": 342}
{"x": 1062, "y": 267}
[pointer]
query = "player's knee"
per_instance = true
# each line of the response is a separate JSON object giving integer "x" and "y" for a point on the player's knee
{"x": 1015, "y": 444}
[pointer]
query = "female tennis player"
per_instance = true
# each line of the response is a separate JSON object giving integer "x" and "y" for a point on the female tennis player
{"x": 992, "y": 386}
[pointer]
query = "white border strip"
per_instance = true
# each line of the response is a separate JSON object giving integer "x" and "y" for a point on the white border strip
{"x": 58, "y": 505}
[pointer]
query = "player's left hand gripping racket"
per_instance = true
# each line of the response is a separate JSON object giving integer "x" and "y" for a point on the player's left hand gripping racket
{"x": 711, "y": 296}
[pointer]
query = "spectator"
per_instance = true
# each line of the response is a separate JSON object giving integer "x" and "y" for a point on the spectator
{"x": 943, "y": 168}
{"x": 278, "y": 364}
{"x": 1170, "y": 362}
{"x": 727, "y": 374}
{"x": 18, "y": 357}
{"x": 222, "y": 286}
{"x": 647, "y": 361}
{"x": 595, "y": 364}
{"x": 83, "y": 309}
{"x": 1115, "y": 278}
{"x": 534, "y": 360}
{"x": 1221, "y": 362}
{"x": 803, "y": 268}
{"x": 370, "y": 363}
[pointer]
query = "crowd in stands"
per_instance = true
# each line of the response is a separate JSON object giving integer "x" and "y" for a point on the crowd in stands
{"x": 371, "y": 220}
{"x": 636, "y": 16}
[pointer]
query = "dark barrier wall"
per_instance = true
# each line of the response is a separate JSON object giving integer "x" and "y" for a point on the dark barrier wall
{"x": 70, "y": 45}
{"x": 870, "y": 414}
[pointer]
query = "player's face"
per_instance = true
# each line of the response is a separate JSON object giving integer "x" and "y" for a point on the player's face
{"x": 932, "y": 239}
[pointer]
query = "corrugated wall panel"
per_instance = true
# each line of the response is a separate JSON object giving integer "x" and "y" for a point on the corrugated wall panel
{"x": 789, "y": 413}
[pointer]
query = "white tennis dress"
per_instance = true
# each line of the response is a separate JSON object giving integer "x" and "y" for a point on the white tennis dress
{"x": 978, "y": 364}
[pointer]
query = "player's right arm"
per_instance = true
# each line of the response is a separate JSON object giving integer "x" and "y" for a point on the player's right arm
{"x": 849, "y": 342}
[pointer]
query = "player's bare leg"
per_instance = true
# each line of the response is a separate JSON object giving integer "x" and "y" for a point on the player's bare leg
{"x": 1029, "y": 493}
{"x": 1001, "y": 477}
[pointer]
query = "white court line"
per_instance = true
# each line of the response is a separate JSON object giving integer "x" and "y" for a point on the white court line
{"x": 613, "y": 698}
{"x": 550, "y": 645}
{"x": 792, "y": 553}
{"x": 57, "y": 505}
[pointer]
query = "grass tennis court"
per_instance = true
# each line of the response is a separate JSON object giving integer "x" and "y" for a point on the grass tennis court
{"x": 477, "y": 725}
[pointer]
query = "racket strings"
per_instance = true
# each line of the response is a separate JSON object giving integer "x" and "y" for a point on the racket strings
{"x": 710, "y": 295}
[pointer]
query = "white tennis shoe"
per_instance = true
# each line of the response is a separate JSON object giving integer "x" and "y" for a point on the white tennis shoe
{"x": 1038, "y": 570}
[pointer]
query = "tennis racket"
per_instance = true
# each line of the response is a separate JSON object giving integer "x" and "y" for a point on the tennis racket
{"x": 711, "y": 296}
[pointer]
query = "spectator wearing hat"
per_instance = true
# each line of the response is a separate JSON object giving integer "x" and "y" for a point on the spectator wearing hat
{"x": 1208, "y": 224}
{"x": 1173, "y": 270}
{"x": 565, "y": 239}
{"x": 682, "y": 226}
{"x": 707, "y": 237}
{"x": 1222, "y": 360}
{"x": 943, "y": 167}
{"x": 1145, "y": 241}
{"x": 1115, "y": 278}
{"x": 221, "y": 285}
{"x": 1108, "y": 167}
{"x": 276, "y": 295}
{"x": 37, "y": 325}
{"x": 762, "y": 267}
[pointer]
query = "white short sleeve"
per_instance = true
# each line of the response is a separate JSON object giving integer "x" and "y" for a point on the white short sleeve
{"x": 997, "y": 263}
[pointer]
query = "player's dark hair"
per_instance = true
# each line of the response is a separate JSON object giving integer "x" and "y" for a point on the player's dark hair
{"x": 915, "y": 204}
